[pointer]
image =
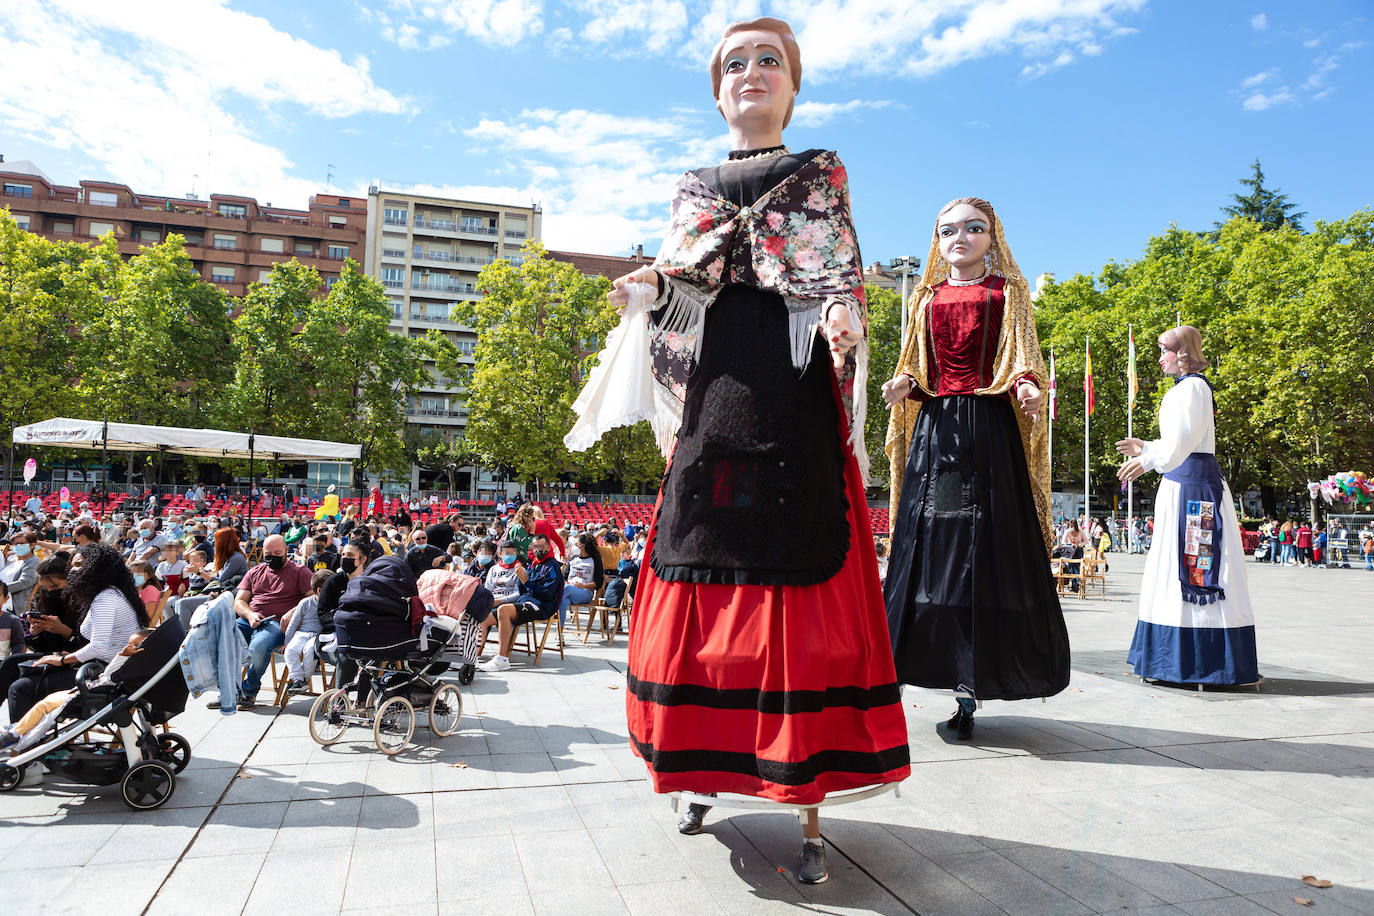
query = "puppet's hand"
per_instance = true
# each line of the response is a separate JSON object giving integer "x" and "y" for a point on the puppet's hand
{"x": 1131, "y": 470}
{"x": 1030, "y": 398}
{"x": 896, "y": 389}
{"x": 619, "y": 295}
{"x": 841, "y": 333}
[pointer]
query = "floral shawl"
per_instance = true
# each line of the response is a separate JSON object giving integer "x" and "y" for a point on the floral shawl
{"x": 797, "y": 240}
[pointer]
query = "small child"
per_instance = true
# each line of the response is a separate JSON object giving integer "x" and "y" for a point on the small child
{"x": 503, "y": 580}
{"x": 11, "y": 734}
{"x": 302, "y": 629}
{"x": 172, "y": 568}
{"x": 195, "y": 576}
{"x": 1369, "y": 552}
{"x": 11, "y": 627}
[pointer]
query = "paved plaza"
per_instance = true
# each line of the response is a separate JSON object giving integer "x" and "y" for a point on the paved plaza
{"x": 1115, "y": 795}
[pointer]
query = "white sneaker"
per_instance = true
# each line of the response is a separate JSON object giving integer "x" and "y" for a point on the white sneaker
{"x": 499, "y": 663}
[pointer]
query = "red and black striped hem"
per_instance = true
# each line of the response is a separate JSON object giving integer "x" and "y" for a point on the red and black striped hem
{"x": 771, "y": 702}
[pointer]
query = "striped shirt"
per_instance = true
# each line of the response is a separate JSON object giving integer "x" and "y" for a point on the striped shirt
{"x": 108, "y": 625}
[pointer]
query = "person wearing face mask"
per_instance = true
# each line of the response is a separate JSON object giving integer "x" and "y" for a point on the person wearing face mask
{"x": 541, "y": 594}
{"x": 20, "y": 571}
{"x": 148, "y": 544}
{"x": 270, "y": 589}
{"x": 586, "y": 575}
{"x": 352, "y": 560}
{"x": 484, "y": 556}
{"x": 971, "y": 606}
{"x": 149, "y": 586}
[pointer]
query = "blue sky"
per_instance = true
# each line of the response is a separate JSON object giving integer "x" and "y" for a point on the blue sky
{"x": 1090, "y": 124}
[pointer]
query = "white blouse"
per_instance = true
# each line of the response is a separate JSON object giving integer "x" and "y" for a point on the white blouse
{"x": 1186, "y": 425}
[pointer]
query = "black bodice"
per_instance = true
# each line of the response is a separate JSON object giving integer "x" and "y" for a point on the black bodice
{"x": 755, "y": 490}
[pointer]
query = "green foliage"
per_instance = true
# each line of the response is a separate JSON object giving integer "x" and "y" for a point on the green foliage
{"x": 1287, "y": 323}
{"x": 884, "y": 349}
{"x": 538, "y": 328}
{"x": 1269, "y": 207}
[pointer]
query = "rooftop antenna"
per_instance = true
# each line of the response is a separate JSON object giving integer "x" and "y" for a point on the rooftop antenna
{"x": 328, "y": 175}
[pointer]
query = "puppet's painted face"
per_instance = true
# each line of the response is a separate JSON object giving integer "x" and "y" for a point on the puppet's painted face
{"x": 756, "y": 90}
{"x": 965, "y": 235}
{"x": 1168, "y": 360}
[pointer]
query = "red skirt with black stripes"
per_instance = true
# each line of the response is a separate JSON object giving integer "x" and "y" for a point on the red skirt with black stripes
{"x": 782, "y": 692}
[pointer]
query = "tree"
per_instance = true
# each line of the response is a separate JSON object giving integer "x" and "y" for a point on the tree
{"x": 884, "y": 349}
{"x": 362, "y": 374}
{"x": 39, "y": 304}
{"x": 1270, "y": 208}
{"x": 273, "y": 389}
{"x": 538, "y": 327}
{"x": 435, "y": 453}
{"x": 628, "y": 454}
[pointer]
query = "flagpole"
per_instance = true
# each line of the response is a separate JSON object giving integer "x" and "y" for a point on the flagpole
{"x": 1049, "y": 418}
{"x": 1087, "y": 505}
{"x": 1130, "y": 415}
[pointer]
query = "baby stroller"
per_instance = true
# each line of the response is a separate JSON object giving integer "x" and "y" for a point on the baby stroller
{"x": 382, "y": 625}
{"x": 147, "y": 691}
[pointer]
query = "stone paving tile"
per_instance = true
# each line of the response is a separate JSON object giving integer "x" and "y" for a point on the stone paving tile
{"x": 300, "y": 881}
{"x": 688, "y": 896}
{"x": 1080, "y": 878}
{"x": 1007, "y": 885}
{"x": 583, "y": 901}
{"x": 401, "y": 874}
{"x": 559, "y": 862}
{"x": 209, "y": 885}
{"x": 159, "y": 836}
{"x": 239, "y": 829}
{"x": 318, "y": 824}
{"x": 497, "y": 877}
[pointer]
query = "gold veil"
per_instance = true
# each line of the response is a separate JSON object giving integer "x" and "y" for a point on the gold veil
{"x": 1018, "y": 353}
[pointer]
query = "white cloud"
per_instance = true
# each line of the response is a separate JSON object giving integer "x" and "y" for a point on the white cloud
{"x": 1252, "y": 81}
{"x": 429, "y": 24}
{"x": 814, "y": 114}
{"x": 124, "y": 88}
{"x": 605, "y": 180}
{"x": 1262, "y": 101}
{"x": 1259, "y": 22}
{"x": 910, "y": 38}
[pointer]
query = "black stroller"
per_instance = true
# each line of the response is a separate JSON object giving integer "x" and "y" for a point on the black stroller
{"x": 398, "y": 666}
{"x": 147, "y": 691}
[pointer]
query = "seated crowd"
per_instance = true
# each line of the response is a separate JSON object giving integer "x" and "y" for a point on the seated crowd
{"x": 77, "y": 587}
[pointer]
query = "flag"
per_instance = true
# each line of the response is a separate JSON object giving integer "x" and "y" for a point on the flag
{"x": 1054, "y": 391}
{"x": 1089, "y": 396}
{"x": 1130, "y": 366}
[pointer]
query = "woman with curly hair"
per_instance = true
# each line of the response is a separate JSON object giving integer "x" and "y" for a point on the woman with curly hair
{"x": 100, "y": 590}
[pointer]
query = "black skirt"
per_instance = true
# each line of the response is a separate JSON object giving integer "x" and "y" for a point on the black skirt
{"x": 970, "y": 600}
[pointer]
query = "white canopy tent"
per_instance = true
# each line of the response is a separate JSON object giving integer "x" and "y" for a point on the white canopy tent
{"x": 65, "y": 432}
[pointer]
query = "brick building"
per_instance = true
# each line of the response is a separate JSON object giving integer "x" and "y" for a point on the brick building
{"x": 232, "y": 240}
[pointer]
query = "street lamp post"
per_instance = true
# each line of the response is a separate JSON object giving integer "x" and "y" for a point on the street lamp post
{"x": 907, "y": 266}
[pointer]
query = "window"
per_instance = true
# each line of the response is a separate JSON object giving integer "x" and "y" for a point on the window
{"x": 343, "y": 202}
{"x": 273, "y": 246}
{"x": 393, "y": 277}
{"x": 194, "y": 239}
{"x": 149, "y": 236}
{"x": 337, "y": 252}
{"x": 329, "y": 282}
{"x": 18, "y": 190}
{"x": 226, "y": 241}
{"x": 102, "y": 198}
{"x": 264, "y": 276}
{"x": 233, "y": 211}
{"x": 305, "y": 249}
{"x": 395, "y": 214}
{"x": 337, "y": 221}
{"x": 22, "y": 221}
{"x": 221, "y": 275}
{"x": 96, "y": 230}
{"x": 63, "y": 228}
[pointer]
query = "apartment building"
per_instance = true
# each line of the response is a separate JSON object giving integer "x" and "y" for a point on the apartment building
{"x": 232, "y": 240}
{"x": 427, "y": 252}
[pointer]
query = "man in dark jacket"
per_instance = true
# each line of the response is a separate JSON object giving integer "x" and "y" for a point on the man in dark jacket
{"x": 540, "y": 594}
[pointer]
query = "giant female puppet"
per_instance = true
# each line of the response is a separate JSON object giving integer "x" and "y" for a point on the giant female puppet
{"x": 759, "y": 662}
{"x": 970, "y": 603}
{"x": 1196, "y": 625}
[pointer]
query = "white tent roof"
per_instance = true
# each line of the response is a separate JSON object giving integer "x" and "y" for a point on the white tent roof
{"x": 206, "y": 443}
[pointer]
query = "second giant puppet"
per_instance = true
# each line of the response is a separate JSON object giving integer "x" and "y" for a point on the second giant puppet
{"x": 971, "y": 606}
{"x": 758, "y": 660}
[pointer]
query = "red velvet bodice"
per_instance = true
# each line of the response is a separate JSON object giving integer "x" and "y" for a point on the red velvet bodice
{"x": 964, "y": 323}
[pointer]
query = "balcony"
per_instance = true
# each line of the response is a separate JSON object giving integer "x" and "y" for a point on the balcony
{"x": 442, "y": 413}
{"x": 477, "y": 229}
{"x": 394, "y": 284}
{"x": 395, "y": 253}
{"x": 334, "y": 256}
{"x": 516, "y": 234}
{"x": 443, "y": 257}
{"x": 442, "y": 287}
{"x": 444, "y": 225}
{"x": 226, "y": 246}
